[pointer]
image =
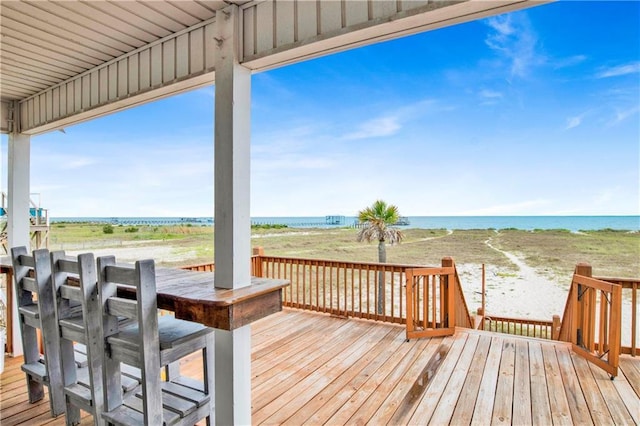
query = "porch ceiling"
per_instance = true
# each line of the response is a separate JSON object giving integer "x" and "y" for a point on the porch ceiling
{"x": 68, "y": 61}
{"x": 47, "y": 42}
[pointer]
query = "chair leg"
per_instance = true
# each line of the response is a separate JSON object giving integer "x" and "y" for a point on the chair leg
{"x": 208, "y": 364}
{"x": 35, "y": 390}
{"x": 73, "y": 414}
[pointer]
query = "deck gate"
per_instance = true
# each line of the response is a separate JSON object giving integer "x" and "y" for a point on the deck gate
{"x": 430, "y": 302}
{"x": 592, "y": 320}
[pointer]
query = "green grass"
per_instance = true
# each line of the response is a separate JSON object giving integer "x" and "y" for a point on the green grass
{"x": 552, "y": 252}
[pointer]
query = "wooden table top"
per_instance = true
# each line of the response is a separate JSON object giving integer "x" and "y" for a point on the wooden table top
{"x": 179, "y": 284}
{"x": 192, "y": 296}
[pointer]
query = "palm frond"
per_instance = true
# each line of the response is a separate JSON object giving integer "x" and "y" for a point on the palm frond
{"x": 377, "y": 221}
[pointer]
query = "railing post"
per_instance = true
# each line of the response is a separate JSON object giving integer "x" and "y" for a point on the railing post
{"x": 583, "y": 269}
{"x": 555, "y": 327}
{"x": 449, "y": 301}
{"x": 256, "y": 262}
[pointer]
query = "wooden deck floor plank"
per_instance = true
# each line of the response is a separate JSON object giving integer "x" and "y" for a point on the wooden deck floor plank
{"x": 13, "y": 372}
{"x": 617, "y": 407}
{"x": 341, "y": 399}
{"x": 503, "y": 405}
{"x": 25, "y": 413}
{"x": 297, "y": 330}
{"x": 375, "y": 400}
{"x": 306, "y": 389}
{"x": 273, "y": 323}
{"x": 560, "y": 412}
{"x": 15, "y": 386}
{"x": 483, "y": 412}
{"x": 540, "y": 407}
{"x": 291, "y": 350}
{"x": 575, "y": 398}
{"x": 595, "y": 400}
{"x": 374, "y": 382}
{"x": 321, "y": 399}
{"x": 631, "y": 370}
{"x": 265, "y": 392}
{"x": 270, "y": 322}
{"x": 450, "y": 396}
{"x": 402, "y": 400}
{"x": 469, "y": 395}
{"x": 14, "y": 397}
{"x": 522, "y": 385}
{"x": 426, "y": 404}
{"x": 628, "y": 394}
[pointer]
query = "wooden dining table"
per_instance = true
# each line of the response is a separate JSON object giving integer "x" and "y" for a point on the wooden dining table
{"x": 192, "y": 296}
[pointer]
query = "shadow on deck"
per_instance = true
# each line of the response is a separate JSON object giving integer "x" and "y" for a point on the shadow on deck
{"x": 310, "y": 368}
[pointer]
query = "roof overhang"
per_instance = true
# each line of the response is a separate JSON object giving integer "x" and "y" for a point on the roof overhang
{"x": 64, "y": 62}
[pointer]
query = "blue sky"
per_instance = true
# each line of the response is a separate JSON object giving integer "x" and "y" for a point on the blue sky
{"x": 535, "y": 112}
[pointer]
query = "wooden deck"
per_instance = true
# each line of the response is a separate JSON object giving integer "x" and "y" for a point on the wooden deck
{"x": 310, "y": 368}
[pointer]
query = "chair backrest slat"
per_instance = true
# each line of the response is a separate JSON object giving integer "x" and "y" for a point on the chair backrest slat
{"x": 120, "y": 307}
{"x": 121, "y": 275}
{"x": 26, "y": 260}
{"x": 70, "y": 292}
{"x": 29, "y": 284}
{"x": 69, "y": 265}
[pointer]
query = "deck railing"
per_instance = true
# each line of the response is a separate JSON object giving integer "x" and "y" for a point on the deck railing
{"x": 522, "y": 326}
{"x": 349, "y": 289}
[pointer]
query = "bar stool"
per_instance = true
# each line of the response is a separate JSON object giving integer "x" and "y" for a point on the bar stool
{"x": 35, "y": 301}
{"x": 149, "y": 344}
{"x": 82, "y": 388}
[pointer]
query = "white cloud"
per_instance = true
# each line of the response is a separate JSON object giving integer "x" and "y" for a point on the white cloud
{"x": 619, "y": 70}
{"x": 514, "y": 40}
{"x": 391, "y": 122}
{"x": 573, "y": 122}
{"x": 376, "y": 128}
{"x": 620, "y": 116}
{"x": 490, "y": 97}
{"x": 490, "y": 94}
{"x": 569, "y": 61}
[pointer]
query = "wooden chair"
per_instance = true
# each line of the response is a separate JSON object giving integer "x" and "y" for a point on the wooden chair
{"x": 35, "y": 299}
{"x": 150, "y": 344}
{"x": 82, "y": 387}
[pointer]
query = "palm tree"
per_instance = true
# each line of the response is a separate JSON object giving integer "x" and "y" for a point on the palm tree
{"x": 378, "y": 221}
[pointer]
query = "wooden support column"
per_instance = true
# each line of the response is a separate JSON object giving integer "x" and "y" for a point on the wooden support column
{"x": 232, "y": 216}
{"x": 18, "y": 225}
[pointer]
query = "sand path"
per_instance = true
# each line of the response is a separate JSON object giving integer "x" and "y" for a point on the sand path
{"x": 525, "y": 294}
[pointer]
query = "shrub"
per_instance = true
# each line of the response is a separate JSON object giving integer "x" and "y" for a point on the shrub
{"x": 131, "y": 229}
{"x": 268, "y": 226}
{"x": 107, "y": 229}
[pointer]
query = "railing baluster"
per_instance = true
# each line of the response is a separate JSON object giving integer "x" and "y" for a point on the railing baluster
{"x": 634, "y": 317}
{"x": 353, "y": 302}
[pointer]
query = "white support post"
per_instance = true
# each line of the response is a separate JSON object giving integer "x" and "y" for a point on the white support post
{"x": 18, "y": 209}
{"x": 232, "y": 215}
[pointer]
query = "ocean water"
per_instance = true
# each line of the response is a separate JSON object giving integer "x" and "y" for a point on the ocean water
{"x": 571, "y": 223}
